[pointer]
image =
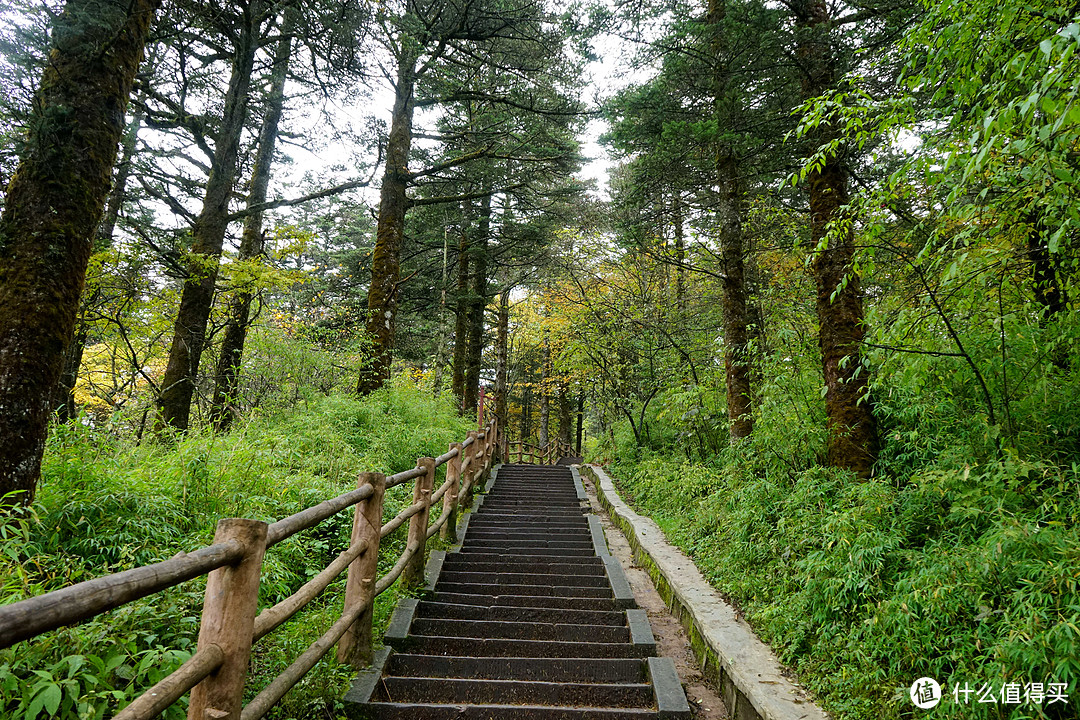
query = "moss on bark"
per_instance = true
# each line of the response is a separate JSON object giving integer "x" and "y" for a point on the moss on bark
{"x": 53, "y": 206}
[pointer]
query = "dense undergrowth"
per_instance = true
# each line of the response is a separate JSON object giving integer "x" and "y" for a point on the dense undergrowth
{"x": 959, "y": 561}
{"x": 106, "y": 504}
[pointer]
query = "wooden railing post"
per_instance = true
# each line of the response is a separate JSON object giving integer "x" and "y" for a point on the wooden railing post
{"x": 413, "y": 574}
{"x": 489, "y": 445}
{"x": 355, "y": 645}
{"x": 471, "y": 473}
{"x": 521, "y": 451}
{"x": 450, "y": 499}
{"x": 228, "y": 621}
{"x": 481, "y": 456}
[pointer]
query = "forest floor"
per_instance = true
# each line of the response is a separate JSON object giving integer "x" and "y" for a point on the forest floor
{"x": 671, "y": 638}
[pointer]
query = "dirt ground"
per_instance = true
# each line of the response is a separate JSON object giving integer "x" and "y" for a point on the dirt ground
{"x": 671, "y": 640}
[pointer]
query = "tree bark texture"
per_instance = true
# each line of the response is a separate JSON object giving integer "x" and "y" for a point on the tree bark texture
{"x": 730, "y": 211}
{"x": 545, "y": 403}
{"x": 64, "y": 402}
{"x": 53, "y": 206}
{"x": 252, "y": 241}
{"x": 208, "y": 235}
{"x": 390, "y": 230}
{"x": 461, "y": 324}
{"x": 566, "y": 417}
{"x": 502, "y": 364}
{"x": 478, "y": 303}
{"x": 580, "y": 422}
{"x": 853, "y": 439}
{"x": 440, "y": 348}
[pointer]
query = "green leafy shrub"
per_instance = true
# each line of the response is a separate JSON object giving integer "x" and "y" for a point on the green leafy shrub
{"x": 107, "y": 503}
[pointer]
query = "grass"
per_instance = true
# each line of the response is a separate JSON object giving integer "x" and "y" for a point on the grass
{"x": 963, "y": 574}
{"x": 106, "y": 504}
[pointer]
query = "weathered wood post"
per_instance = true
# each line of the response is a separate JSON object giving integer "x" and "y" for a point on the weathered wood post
{"x": 521, "y": 451}
{"x": 355, "y": 645}
{"x": 471, "y": 471}
{"x": 413, "y": 574}
{"x": 450, "y": 499}
{"x": 481, "y": 455}
{"x": 228, "y": 621}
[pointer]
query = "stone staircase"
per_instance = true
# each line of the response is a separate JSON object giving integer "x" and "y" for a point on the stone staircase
{"x": 530, "y": 618}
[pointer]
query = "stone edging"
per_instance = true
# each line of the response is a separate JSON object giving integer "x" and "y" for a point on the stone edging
{"x": 751, "y": 679}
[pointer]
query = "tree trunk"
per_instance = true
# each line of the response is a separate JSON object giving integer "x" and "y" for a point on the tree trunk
{"x": 461, "y": 324}
{"x": 730, "y": 211}
{"x": 208, "y": 235}
{"x": 526, "y": 413}
{"x": 440, "y": 348}
{"x": 252, "y": 241}
{"x": 566, "y": 416}
{"x": 64, "y": 402}
{"x": 390, "y": 230}
{"x": 478, "y": 303}
{"x": 545, "y": 404}
{"x": 51, "y": 213}
{"x": 853, "y": 440}
{"x": 580, "y": 422}
{"x": 502, "y": 363}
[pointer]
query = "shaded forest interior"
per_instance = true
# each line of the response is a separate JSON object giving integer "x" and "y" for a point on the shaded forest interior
{"x": 818, "y": 317}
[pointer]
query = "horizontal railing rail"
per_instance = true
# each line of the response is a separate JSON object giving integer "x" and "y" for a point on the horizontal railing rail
{"x": 548, "y": 454}
{"x": 216, "y": 674}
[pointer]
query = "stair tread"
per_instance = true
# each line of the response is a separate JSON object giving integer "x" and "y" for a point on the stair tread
{"x": 523, "y": 622}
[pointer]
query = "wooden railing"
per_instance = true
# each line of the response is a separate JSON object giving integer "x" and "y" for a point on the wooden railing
{"x": 537, "y": 454}
{"x": 216, "y": 673}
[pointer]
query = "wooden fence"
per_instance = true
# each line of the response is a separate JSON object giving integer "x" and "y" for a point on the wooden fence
{"x": 216, "y": 673}
{"x": 537, "y": 454}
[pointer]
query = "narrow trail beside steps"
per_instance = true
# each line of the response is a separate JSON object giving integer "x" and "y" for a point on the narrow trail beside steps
{"x": 530, "y": 618}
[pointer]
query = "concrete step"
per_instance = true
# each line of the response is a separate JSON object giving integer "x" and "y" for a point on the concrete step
{"x": 525, "y": 578}
{"x": 597, "y": 670}
{"x": 416, "y": 711}
{"x": 506, "y": 630}
{"x": 508, "y": 600}
{"x": 432, "y": 609}
{"x": 526, "y": 534}
{"x": 531, "y": 559}
{"x": 502, "y": 647}
{"x": 513, "y": 692}
{"x": 569, "y": 591}
{"x": 455, "y": 562}
{"x": 547, "y": 550}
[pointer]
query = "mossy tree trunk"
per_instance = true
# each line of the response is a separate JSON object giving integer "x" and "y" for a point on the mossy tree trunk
{"x": 502, "y": 362}
{"x": 730, "y": 215}
{"x": 252, "y": 241}
{"x": 390, "y": 229}
{"x": 477, "y": 304}
{"x": 208, "y": 234}
{"x": 853, "y": 439}
{"x": 461, "y": 323}
{"x": 51, "y": 214}
{"x": 64, "y": 402}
